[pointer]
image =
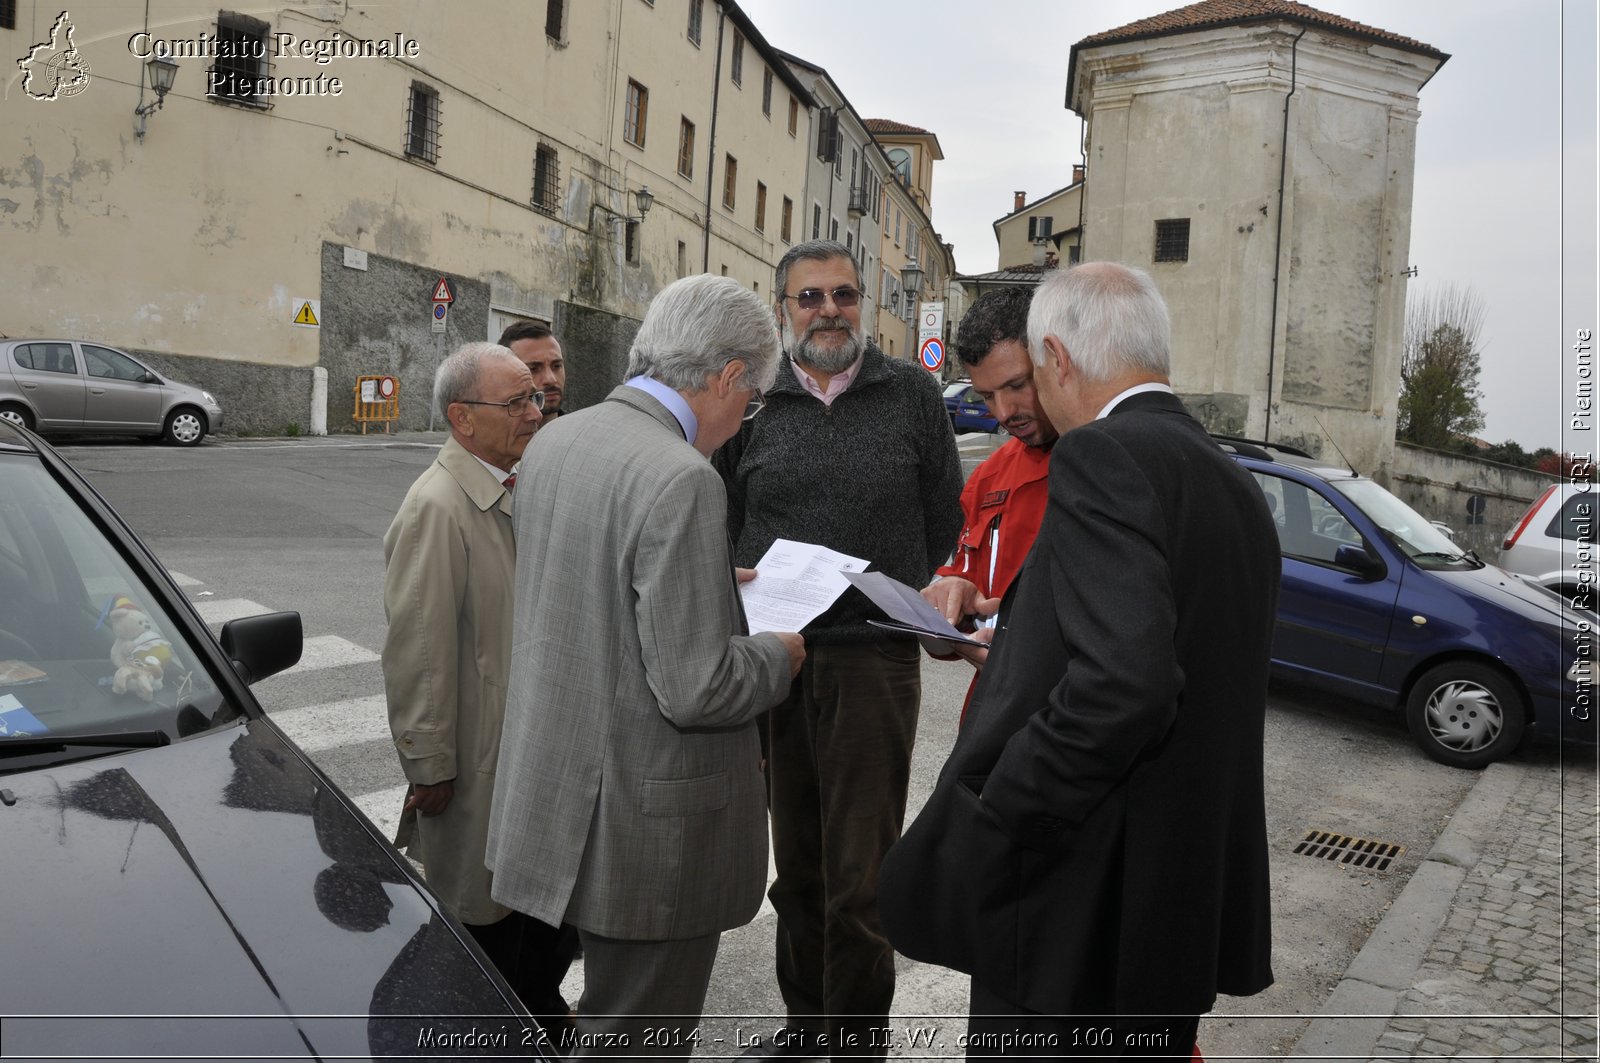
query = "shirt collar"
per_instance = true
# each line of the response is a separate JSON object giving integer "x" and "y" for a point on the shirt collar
{"x": 498, "y": 473}
{"x": 675, "y": 403}
{"x": 1137, "y": 389}
{"x": 837, "y": 384}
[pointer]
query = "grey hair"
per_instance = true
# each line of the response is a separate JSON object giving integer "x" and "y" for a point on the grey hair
{"x": 696, "y": 326}
{"x": 457, "y": 376}
{"x": 812, "y": 251}
{"x": 1110, "y": 317}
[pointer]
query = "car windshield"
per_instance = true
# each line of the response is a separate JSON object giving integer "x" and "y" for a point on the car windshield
{"x": 86, "y": 651}
{"x": 1405, "y": 527}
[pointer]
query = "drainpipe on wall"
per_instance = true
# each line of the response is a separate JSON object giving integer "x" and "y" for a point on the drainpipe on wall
{"x": 1277, "y": 251}
{"x": 711, "y": 150}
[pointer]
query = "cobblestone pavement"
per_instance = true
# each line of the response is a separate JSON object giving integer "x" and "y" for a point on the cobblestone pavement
{"x": 1491, "y": 952}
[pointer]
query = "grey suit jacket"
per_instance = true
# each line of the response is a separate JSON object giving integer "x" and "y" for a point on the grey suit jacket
{"x": 629, "y": 800}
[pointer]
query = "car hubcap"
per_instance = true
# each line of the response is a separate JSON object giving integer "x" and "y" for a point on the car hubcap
{"x": 186, "y": 428}
{"x": 14, "y": 417}
{"x": 1464, "y": 716}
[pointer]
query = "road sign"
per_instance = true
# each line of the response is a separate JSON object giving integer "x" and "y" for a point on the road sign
{"x": 932, "y": 354}
{"x": 440, "y": 312}
{"x": 308, "y": 313}
{"x": 930, "y": 321}
{"x": 441, "y": 291}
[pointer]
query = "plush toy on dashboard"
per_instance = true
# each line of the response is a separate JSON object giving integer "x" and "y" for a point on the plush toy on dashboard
{"x": 140, "y": 653}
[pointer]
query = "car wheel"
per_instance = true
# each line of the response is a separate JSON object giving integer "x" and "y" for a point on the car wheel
{"x": 185, "y": 427}
{"x": 17, "y": 414}
{"x": 1466, "y": 714}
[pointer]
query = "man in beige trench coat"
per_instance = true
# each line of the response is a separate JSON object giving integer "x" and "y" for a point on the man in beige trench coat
{"x": 450, "y": 560}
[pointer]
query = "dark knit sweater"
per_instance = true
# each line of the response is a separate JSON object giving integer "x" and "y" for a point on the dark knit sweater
{"x": 876, "y": 475}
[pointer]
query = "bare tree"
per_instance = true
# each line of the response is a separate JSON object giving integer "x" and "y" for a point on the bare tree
{"x": 1439, "y": 366}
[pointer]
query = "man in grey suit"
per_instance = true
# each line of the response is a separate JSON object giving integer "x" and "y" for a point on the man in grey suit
{"x": 629, "y": 798}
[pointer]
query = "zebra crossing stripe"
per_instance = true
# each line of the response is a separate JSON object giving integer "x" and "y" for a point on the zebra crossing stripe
{"x": 331, "y": 651}
{"x": 220, "y": 611}
{"x": 315, "y": 728}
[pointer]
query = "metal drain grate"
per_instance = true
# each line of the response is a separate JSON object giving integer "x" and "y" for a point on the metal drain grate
{"x": 1352, "y": 852}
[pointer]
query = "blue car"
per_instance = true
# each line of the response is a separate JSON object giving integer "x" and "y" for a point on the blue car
{"x": 1377, "y": 604}
{"x": 968, "y": 412}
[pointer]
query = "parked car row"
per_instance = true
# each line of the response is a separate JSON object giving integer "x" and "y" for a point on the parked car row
{"x": 968, "y": 412}
{"x": 1378, "y": 605}
{"x": 183, "y": 881}
{"x": 53, "y": 386}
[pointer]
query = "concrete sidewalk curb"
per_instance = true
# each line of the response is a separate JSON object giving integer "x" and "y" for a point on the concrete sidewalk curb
{"x": 1359, "y": 1008}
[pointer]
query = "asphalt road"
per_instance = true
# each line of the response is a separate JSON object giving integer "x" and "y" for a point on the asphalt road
{"x": 298, "y": 524}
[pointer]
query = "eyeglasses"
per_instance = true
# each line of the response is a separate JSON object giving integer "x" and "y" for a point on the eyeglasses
{"x": 757, "y": 402}
{"x": 515, "y": 407}
{"x": 812, "y": 298}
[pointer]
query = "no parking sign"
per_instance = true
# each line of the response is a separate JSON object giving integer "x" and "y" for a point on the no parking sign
{"x": 932, "y": 354}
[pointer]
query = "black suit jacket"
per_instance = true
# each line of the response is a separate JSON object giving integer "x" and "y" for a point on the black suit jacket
{"x": 1096, "y": 842}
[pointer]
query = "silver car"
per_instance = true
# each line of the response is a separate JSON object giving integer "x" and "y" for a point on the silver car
{"x": 1553, "y": 544}
{"x": 76, "y": 386}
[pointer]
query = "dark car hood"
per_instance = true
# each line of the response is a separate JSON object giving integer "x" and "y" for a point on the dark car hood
{"x": 219, "y": 889}
{"x": 1508, "y": 592}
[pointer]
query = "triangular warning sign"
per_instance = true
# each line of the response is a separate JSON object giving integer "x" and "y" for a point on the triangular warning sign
{"x": 305, "y": 316}
{"x": 441, "y": 292}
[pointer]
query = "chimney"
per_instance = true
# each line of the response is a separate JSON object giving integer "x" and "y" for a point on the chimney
{"x": 1077, "y": 173}
{"x": 1019, "y": 198}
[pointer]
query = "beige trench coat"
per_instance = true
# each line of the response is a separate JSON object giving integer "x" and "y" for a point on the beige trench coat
{"x": 449, "y": 564}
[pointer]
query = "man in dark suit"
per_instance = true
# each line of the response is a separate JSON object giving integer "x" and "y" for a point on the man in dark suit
{"x": 1094, "y": 852}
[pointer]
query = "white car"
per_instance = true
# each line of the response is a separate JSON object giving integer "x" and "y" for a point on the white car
{"x": 1553, "y": 542}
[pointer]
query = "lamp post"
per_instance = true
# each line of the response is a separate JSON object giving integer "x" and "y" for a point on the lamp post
{"x": 161, "y": 71}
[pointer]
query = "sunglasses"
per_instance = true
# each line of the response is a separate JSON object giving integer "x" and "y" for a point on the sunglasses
{"x": 515, "y": 407}
{"x": 813, "y": 298}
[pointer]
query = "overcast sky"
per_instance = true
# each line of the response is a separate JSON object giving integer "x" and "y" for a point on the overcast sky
{"x": 1512, "y": 108}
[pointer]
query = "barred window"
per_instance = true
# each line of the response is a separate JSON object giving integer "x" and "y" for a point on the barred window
{"x": 1172, "y": 240}
{"x": 635, "y": 114}
{"x": 241, "y": 59}
{"x": 546, "y": 179}
{"x": 422, "y": 123}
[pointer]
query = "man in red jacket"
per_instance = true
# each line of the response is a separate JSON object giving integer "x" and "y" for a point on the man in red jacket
{"x": 1004, "y": 499}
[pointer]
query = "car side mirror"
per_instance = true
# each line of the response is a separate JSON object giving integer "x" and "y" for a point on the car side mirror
{"x": 1359, "y": 560}
{"x": 150, "y": 378}
{"x": 259, "y": 646}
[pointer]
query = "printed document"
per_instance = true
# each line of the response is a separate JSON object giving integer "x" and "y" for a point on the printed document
{"x": 795, "y": 583}
{"x": 909, "y": 610}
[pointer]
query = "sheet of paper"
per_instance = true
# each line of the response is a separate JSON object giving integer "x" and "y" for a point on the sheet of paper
{"x": 795, "y": 583}
{"x": 908, "y": 610}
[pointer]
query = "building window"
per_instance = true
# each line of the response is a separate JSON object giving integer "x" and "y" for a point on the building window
{"x": 730, "y": 182}
{"x": 833, "y": 228}
{"x": 546, "y": 179}
{"x": 686, "y": 148}
{"x": 1074, "y": 253}
{"x": 241, "y": 59}
{"x": 630, "y": 241}
{"x": 1172, "y": 240}
{"x": 738, "y": 58}
{"x": 816, "y": 221}
{"x": 794, "y": 116}
{"x": 8, "y": 14}
{"x": 788, "y": 219}
{"x": 422, "y": 123}
{"x": 696, "y": 11}
{"x": 766, "y": 92}
{"x": 1041, "y": 228}
{"x": 555, "y": 20}
{"x": 635, "y": 114}
{"x": 683, "y": 259}
{"x": 761, "y": 207}
{"x": 850, "y": 243}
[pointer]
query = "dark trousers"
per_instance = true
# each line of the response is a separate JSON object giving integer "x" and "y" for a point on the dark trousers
{"x": 838, "y": 764}
{"x": 999, "y": 1029}
{"x": 534, "y": 957}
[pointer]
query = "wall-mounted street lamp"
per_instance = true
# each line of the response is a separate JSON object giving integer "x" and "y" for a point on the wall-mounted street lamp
{"x": 161, "y": 71}
{"x": 911, "y": 277}
{"x": 643, "y": 199}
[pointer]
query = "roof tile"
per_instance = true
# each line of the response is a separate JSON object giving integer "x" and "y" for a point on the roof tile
{"x": 1210, "y": 13}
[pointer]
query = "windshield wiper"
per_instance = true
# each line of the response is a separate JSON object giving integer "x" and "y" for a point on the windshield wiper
{"x": 1441, "y": 555}
{"x": 124, "y": 739}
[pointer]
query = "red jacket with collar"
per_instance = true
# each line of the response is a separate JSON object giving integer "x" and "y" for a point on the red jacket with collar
{"x": 1001, "y": 508}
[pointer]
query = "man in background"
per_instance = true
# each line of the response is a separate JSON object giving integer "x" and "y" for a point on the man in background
{"x": 540, "y": 351}
{"x": 628, "y": 802}
{"x": 854, "y": 451}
